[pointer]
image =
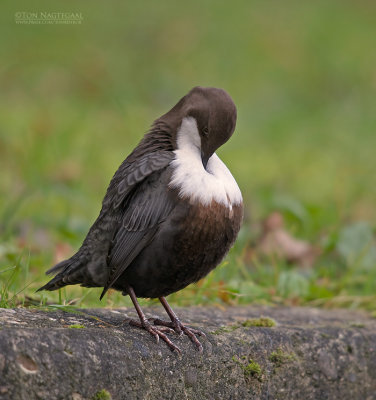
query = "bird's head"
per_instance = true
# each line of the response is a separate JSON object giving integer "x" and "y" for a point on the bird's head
{"x": 204, "y": 118}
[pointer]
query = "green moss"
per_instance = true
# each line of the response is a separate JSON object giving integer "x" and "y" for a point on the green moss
{"x": 280, "y": 357}
{"x": 253, "y": 368}
{"x": 76, "y": 326}
{"x": 250, "y": 367}
{"x": 225, "y": 329}
{"x": 373, "y": 314}
{"x": 263, "y": 321}
{"x": 102, "y": 395}
{"x": 357, "y": 324}
{"x": 58, "y": 307}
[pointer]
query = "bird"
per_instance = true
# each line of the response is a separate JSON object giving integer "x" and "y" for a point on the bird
{"x": 170, "y": 214}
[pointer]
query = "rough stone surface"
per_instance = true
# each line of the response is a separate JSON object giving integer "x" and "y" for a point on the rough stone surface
{"x": 309, "y": 354}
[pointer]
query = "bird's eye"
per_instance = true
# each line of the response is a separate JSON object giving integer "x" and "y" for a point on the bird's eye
{"x": 205, "y": 131}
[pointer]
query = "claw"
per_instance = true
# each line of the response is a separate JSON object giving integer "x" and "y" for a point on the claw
{"x": 181, "y": 329}
{"x": 156, "y": 332}
{"x": 145, "y": 323}
{"x": 173, "y": 326}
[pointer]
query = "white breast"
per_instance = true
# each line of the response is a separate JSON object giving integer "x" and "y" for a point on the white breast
{"x": 190, "y": 177}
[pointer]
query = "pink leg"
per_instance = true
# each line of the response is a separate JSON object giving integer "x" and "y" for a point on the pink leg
{"x": 144, "y": 323}
{"x": 178, "y": 327}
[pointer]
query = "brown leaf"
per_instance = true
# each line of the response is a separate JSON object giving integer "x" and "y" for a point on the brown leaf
{"x": 277, "y": 242}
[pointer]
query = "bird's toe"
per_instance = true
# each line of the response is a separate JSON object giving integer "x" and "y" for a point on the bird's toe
{"x": 156, "y": 332}
{"x": 181, "y": 329}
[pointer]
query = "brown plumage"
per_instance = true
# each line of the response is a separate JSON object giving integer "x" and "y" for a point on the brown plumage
{"x": 171, "y": 212}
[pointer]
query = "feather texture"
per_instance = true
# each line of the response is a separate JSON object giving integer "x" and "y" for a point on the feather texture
{"x": 172, "y": 209}
{"x": 147, "y": 207}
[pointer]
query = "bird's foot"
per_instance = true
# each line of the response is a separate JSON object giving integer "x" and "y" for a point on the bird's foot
{"x": 181, "y": 329}
{"x": 157, "y": 332}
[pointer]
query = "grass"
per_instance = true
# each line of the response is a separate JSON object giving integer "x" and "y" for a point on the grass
{"x": 75, "y": 100}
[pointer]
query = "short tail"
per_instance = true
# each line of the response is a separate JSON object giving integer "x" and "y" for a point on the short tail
{"x": 65, "y": 274}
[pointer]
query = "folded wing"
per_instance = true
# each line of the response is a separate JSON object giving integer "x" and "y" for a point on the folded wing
{"x": 146, "y": 205}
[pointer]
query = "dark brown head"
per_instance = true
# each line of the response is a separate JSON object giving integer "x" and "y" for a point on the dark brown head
{"x": 215, "y": 115}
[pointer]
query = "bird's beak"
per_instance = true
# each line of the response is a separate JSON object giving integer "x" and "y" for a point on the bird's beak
{"x": 204, "y": 159}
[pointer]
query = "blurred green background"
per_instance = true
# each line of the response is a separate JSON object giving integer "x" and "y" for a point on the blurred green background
{"x": 76, "y": 99}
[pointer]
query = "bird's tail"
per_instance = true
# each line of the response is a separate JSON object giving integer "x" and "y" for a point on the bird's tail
{"x": 64, "y": 275}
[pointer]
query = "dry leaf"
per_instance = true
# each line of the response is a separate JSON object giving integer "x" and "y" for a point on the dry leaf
{"x": 276, "y": 241}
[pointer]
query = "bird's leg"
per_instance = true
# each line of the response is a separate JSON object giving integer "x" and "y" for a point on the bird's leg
{"x": 178, "y": 327}
{"x": 144, "y": 323}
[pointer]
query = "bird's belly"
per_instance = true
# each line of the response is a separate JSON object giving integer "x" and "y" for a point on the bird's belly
{"x": 187, "y": 247}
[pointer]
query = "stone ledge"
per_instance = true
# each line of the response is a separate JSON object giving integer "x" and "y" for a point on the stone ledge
{"x": 309, "y": 354}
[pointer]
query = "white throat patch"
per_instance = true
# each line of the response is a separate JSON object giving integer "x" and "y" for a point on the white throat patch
{"x": 190, "y": 177}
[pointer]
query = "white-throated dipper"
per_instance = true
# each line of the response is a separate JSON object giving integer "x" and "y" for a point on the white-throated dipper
{"x": 171, "y": 212}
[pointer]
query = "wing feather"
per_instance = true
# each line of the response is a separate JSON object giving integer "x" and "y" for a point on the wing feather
{"x": 148, "y": 206}
{"x": 133, "y": 173}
